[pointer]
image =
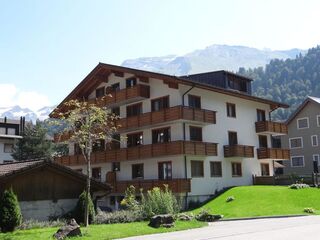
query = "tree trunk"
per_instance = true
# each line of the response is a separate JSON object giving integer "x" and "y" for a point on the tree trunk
{"x": 86, "y": 214}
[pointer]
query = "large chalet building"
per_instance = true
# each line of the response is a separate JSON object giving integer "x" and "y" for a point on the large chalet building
{"x": 198, "y": 133}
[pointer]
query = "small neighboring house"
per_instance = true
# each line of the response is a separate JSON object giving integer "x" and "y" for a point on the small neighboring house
{"x": 302, "y": 139}
{"x": 46, "y": 189}
{"x": 198, "y": 134}
{"x": 10, "y": 130}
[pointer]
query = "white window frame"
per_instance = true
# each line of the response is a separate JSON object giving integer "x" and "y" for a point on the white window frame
{"x": 316, "y": 140}
{"x": 302, "y": 119}
{"x": 318, "y": 122}
{"x": 295, "y": 147}
{"x": 318, "y": 158}
{"x": 297, "y": 166}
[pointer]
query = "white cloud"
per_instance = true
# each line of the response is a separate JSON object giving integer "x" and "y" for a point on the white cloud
{"x": 10, "y": 95}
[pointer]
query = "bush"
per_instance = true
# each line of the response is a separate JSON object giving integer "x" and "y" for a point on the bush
{"x": 309, "y": 210}
{"x": 122, "y": 216}
{"x": 159, "y": 201}
{"x": 10, "y": 213}
{"x": 298, "y": 186}
{"x": 129, "y": 201}
{"x": 30, "y": 224}
{"x": 230, "y": 199}
{"x": 79, "y": 210}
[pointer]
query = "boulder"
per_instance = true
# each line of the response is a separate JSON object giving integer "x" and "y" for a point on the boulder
{"x": 184, "y": 217}
{"x": 70, "y": 230}
{"x": 165, "y": 220}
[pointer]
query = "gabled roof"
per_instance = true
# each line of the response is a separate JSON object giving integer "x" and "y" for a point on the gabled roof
{"x": 102, "y": 70}
{"x": 302, "y": 106}
{"x": 9, "y": 170}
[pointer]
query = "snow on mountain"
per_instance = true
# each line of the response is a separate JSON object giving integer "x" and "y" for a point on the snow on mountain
{"x": 214, "y": 57}
{"x": 16, "y": 112}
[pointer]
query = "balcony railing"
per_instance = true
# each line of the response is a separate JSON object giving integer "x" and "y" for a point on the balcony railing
{"x": 167, "y": 115}
{"x": 273, "y": 153}
{"x": 175, "y": 185}
{"x": 238, "y": 151}
{"x": 135, "y": 93}
{"x": 275, "y": 128}
{"x": 144, "y": 151}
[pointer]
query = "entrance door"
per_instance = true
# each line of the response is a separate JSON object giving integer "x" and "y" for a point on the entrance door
{"x": 265, "y": 169}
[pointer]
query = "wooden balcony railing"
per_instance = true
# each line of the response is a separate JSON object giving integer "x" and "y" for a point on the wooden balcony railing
{"x": 167, "y": 115}
{"x": 144, "y": 151}
{"x": 175, "y": 185}
{"x": 271, "y": 127}
{"x": 137, "y": 92}
{"x": 273, "y": 153}
{"x": 238, "y": 151}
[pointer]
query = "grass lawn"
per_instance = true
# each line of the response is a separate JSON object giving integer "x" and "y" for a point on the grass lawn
{"x": 102, "y": 232}
{"x": 251, "y": 201}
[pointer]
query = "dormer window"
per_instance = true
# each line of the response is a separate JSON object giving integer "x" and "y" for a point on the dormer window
{"x": 131, "y": 82}
{"x": 99, "y": 92}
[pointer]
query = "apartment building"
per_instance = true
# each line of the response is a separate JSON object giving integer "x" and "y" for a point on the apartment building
{"x": 302, "y": 139}
{"x": 10, "y": 131}
{"x": 198, "y": 134}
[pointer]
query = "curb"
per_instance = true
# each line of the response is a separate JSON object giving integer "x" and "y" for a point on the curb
{"x": 263, "y": 217}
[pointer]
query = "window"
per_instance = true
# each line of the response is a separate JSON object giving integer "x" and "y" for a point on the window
{"x": 96, "y": 173}
{"x": 295, "y": 142}
{"x": 263, "y": 141}
{"x": 195, "y": 133}
{"x": 159, "y": 103}
{"x": 297, "y": 161}
{"x": 99, "y": 92}
{"x": 318, "y": 120}
{"x": 98, "y": 145}
{"x": 116, "y": 111}
{"x": 115, "y": 87}
{"x": 134, "y": 139}
{"x": 8, "y": 148}
{"x": 137, "y": 170}
{"x": 115, "y": 142}
{"x": 194, "y": 101}
{"x": 197, "y": 169}
{"x": 314, "y": 140}
{"x": 131, "y": 82}
{"x": 236, "y": 169}
{"x": 116, "y": 166}
{"x": 265, "y": 169}
{"x": 315, "y": 158}
{"x": 231, "y": 110}
{"x": 233, "y": 138}
{"x": 165, "y": 170}
{"x": 161, "y": 135}
{"x": 303, "y": 123}
{"x": 216, "y": 169}
{"x": 134, "y": 110}
{"x": 2, "y": 130}
{"x": 261, "y": 115}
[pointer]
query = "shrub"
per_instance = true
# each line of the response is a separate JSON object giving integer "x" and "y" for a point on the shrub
{"x": 122, "y": 216}
{"x": 230, "y": 199}
{"x": 159, "y": 201}
{"x": 30, "y": 224}
{"x": 309, "y": 210}
{"x": 79, "y": 210}
{"x": 298, "y": 186}
{"x": 10, "y": 213}
{"x": 129, "y": 201}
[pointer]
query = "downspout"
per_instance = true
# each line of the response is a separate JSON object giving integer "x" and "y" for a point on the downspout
{"x": 184, "y": 139}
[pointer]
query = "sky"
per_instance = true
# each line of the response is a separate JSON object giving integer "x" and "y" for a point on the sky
{"x": 48, "y": 47}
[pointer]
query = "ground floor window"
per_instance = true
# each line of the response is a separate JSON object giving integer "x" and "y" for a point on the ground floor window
{"x": 297, "y": 161}
{"x": 265, "y": 171}
{"x": 137, "y": 171}
{"x": 236, "y": 169}
{"x": 96, "y": 173}
{"x": 197, "y": 169}
{"x": 216, "y": 169}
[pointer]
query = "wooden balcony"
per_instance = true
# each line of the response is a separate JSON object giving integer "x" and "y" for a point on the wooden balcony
{"x": 167, "y": 115}
{"x": 144, "y": 151}
{"x": 124, "y": 96}
{"x": 175, "y": 185}
{"x": 273, "y": 153}
{"x": 275, "y": 128}
{"x": 238, "y": 151}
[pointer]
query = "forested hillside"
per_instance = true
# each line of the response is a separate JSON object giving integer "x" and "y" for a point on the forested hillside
{"x": 289, "y": 81}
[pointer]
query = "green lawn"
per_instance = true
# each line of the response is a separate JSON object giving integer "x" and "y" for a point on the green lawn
{"x": 251, "y": 201}
{"x": 102, "y": 232}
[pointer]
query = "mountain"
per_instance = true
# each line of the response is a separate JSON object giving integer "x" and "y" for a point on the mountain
{"x": 214, "y": 57}
{"x": 16, "y": 112}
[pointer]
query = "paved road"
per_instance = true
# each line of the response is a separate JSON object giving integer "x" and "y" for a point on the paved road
{"x": 294, "y": 228}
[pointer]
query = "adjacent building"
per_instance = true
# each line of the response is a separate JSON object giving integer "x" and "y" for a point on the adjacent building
{"x": 303, "y": 139}
{"x": 10, "y": 131}
{"x": 198, "y": 133}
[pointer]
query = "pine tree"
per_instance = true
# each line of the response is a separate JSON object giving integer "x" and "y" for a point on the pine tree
{"x": 10, "y": 213}
{"x": 79, "y": 210}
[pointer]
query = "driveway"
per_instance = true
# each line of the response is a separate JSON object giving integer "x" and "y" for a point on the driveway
{"x": 293, "y": 228}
